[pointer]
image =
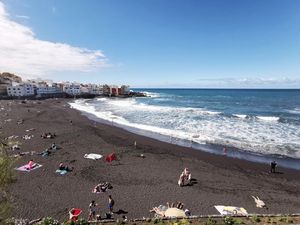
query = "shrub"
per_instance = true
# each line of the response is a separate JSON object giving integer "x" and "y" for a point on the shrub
{"x": 238, "y": 221}
{"x": 6, "y": 177}
{"x": 210, "y": 221}
{"x": 255, "y": 219}
{"x": 184, "y": 222}
{"x": 286, "y": 219}
{"x": 78, "y": 222}
{"x": 228, "y": 220}
{"x": 48, "y": 221}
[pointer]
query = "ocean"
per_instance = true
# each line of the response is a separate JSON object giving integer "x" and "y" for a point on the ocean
{"x": 257, "y": 125}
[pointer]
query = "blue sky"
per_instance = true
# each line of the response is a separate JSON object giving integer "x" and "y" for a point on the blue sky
{"x": 154, "y": 43}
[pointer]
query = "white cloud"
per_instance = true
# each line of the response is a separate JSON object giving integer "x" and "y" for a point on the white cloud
{"x": 22, "y": 17}
{"x": 21, "y": 52}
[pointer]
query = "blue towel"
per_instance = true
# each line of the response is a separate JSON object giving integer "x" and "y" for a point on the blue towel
{"x": 61, "y": 172}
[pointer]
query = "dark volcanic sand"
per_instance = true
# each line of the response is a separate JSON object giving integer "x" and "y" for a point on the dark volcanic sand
{"x": 138, "y": 183}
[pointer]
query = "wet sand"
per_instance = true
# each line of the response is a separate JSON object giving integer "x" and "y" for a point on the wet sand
{"x": 138, "y": 183}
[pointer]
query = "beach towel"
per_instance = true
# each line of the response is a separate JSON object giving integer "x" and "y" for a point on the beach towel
{"x": 24, "y": 168}
{"x": 74, "y": 213}
{"x": 61, "y": 172}
{"x": 111, "y": 157}
{"x": 174, "y": 212}
{"x": 93, "y": 156}
{"x": 231, "y": 210}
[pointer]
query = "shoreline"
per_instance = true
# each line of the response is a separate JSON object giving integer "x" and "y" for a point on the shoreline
{"x": 138, "y": 183}
{"x": 232, "y": 152}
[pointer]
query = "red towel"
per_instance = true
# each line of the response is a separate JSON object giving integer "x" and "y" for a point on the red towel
{"x": 74, "y": 213}
{"x": 111, "y": 157}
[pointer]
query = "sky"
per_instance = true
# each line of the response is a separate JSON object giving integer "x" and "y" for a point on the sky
{"x": 154, "y": 43}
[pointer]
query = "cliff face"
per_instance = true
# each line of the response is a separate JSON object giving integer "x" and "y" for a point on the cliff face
{"x": 7, "y": 78}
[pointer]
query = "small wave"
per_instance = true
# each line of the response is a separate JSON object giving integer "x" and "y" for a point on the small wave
{"x": 132, "y": 104}
{"x": 101, "y": 99}
{"x": 152, "y": 94}
{"x": 240, "y": 116}
{"x": 294, "y": 111}
{"x": 268, "y": 118}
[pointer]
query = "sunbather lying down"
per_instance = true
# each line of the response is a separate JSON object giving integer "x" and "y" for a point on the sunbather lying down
{"x": 48, "y": 135}
{"x": 160, "y": 210}
{"x": 102, "y": 187}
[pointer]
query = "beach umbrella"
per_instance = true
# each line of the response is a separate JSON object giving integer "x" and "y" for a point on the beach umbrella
{"x": 174, "y": 212}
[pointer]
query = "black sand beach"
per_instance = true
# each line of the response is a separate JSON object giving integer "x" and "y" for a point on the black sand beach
{"x": 138, "y": 183}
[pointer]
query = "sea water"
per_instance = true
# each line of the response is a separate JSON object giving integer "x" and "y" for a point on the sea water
{"x": 248, "y": 123}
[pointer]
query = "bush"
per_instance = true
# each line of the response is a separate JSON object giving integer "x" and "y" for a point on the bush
{"x": 6, "y": 177}
{"x": 238, "y": 221}
{"x": 48, "y": 221}
{"x": 228, "y": 220}
{"x": 184, "y": 222}
{"x": 158, "y": 221}
{"x": 286, "y": 219}
{"x": 210, "y": 221}
{"x": 255, "y": 219}
{"x": 5, "y": 210}
{"x": 78, "y": 222}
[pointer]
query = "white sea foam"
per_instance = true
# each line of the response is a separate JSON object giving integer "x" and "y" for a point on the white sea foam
{"x": 132, "y": 104}
{"x": 151, "y": 94}
{"x": 263, "y": 135}
{"x": 240, "y": 116}
{"x": 268, "y": 118}
{"x": 101, "y": 99}
{"x": 294, "y": 111}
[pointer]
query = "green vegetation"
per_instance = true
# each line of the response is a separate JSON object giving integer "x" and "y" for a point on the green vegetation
{"x": 210, "y": 221}
{"x": 6, "y": 177}
{"x": 228, "y": 220}
{"x": 78, "y": 222}
{"x": 286, "y": 219}
{"x": 48, "y": 221}
{"x": 255, "y": 219}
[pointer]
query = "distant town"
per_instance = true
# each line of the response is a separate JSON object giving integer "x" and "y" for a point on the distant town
{"x": 12, "y": 86}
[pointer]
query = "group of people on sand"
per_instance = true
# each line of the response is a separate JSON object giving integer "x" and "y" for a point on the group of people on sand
{"x": 47, "y": 151}
{"x": 185, "y": 178}
{"x": 48, "y": 135}
{"x": 64, "y": 167}
{"x": 93, "y": 209}
{"x": 102, "y": 187}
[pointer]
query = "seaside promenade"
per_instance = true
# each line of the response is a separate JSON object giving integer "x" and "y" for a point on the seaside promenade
{"x": 138, "y": 183}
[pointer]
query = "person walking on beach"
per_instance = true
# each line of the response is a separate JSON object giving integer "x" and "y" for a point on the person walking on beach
{"x": 92, "y": 211}
{"x": 224, "y": 150}
{"x": 273, "y": 166}
{"x": 111, "y": 203}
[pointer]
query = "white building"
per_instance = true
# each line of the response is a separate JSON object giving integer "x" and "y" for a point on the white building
{"x": 20, "y": 89}
{"x": 72, "y": 88}
{"x": 48, "y": 90}
{"x": 93, "y": 89}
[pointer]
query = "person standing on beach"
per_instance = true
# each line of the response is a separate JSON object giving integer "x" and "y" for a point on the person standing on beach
{"x": 92, "y": 211}
{"x": 111, "y": 204}
{"x": 273, "y": 166}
